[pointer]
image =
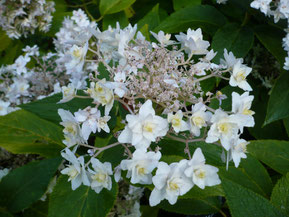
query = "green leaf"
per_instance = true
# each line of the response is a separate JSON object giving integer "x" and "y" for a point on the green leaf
{"x": 198, "y": 193}
{"x": 286, "y": 124}
{"x": 39, "y": 209}
{"x": 47, "y": 108}
{"x": 4, "y": 213}
{"x": 111, "y": 19}
{"x": 274, "y": 153}
{"x": 149, "y": 211}
{"x": 278, "y": 106}
{"x": 204, "y": 16}
{"x": 274, "y": 130}
{"x": 234, "y": 38}
{"x": 5, "y": 40}
{"x": 152, "y": 19}
{"x": 179, "y": 4}
{"x": 25, "y": 185}
{"x": 193, "y": 206}
{"x": 24, "y": 132}
{"x": 280, "y": 194}
{"x": 250, "y": 174}
{"x": 82, "y": 202}
{"x": 114, "y": 6}
{"x": 271, "y": 38}
{"x": 244, "y": 202}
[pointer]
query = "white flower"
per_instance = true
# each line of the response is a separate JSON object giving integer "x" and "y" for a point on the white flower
{"x": 163, "y": 39}
{"x": 241, "y": 104}
{"x": 3, "y": 173}
{"x": 238, "y": 151}
{"x": 118, "y": 85}
{"x": 75, "y": 171}
{"x": 143, "y": 128}
{"x": 263, "y": 5}
{"x": 193, "y": 42}
{"x": 170, "y": 182}
{"x": 230, "y": 60}
{"x": 4, "y": 107}
{"x": 226, "y": 127}
{"x": 71, "y": 129}
{"x": 77, "y": 58}
{"x": 238, "y": 77}
{"x": 68, "y": 93}
{"x": 100, "y": 175}
{"x": 199, "y": 118}
{"x": 202, "y": 174}
{"x": 88, "y": 117}
{"x": 101, "y": 94}
{"x": 141, "y": 166}
{"x": 178, "y": 124}
{"x": 20, "y": 64}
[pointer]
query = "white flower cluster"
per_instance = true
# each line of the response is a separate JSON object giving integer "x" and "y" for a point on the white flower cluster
{"x": 21, "y": 83}
{"x": 280, "y": 10}
{"x": 167, "y": 77}
{"x": 21, "y": 17}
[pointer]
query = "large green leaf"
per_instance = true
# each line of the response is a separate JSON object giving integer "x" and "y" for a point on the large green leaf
{"x": 5, "y": 40}
{"x": 204, "y": 16}
{"x": 278, "y": 106}
{"x": 114, "y": 6}
{"x": 193, "y": 206}
{"x": 47, "y": 108}
{"x": 179, "y": 4}
{"x": 38, "y": 209}
{"x": 244, "y": 202}
{"x": 152, "y": 19}
{"x": 24, "y": 132}
{"x": 234, "y": 38}
{"x": 274, "y": 153}
{"x": 250, "y": 174}
{"x": 271, "y": 38}
{"x": 25, "y": 185}
{"x": 112, "y": 19}
{"x": 280, "y": 194}
{"x": 4, "y": 213}
{"x": 82, "y": 202}
{"x": 286, "y": 124}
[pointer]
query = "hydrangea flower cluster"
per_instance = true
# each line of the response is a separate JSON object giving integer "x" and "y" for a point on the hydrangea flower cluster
{"x": 21, "y": 17}
{"x": 21, "y": 83}
{"x": 160, "y": 85}
{"x": 280, "y": 10}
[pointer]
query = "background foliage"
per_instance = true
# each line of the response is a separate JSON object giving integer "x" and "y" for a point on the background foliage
{"x": 259, "y": 187}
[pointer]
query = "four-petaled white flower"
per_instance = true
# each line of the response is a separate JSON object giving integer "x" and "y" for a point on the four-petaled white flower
{"x": 72, "y": 132}
{"x": 77, "y": 57}
{"x": 199, "y": 118}
{"x": 178, "y": 124}
{"x": 170, "y": 182}
{"x": 143, "y": 128}
{"x": 163, "y": 39}
{"x": 4, "y": 107}
{"x": 193, "y": 42}
{"x": 239, "y": 150}
{"x": 100, "y": 175}
{"x": 101, "y": 94}
{"x": 226, "y": 127}
{"x": 238, "y": 77}
{"x": 76, "y": 170}
{"x": 141, "y": 166}
{"x": 202, "y": 174}
{"x": 68, "y": 93}
{"x": 241, "y": 104}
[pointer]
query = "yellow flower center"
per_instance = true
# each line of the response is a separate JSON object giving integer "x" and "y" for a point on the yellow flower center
{"x": 77, "y": 52}
{"x": 141, "y": 170}
{"x": 198, "y": 121}
{"x": 99, "y": 177}
{"x": 176, "y": 121}
{"x": 248, "y": 112}
{"x": 173, "y": 186}
{"x": 148, "y": 127}
{"x": 72, "y": 172}
{"x": 241, "y": 76}
{"x": 224, "y": 127}
{"x": 200, "y": 173}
